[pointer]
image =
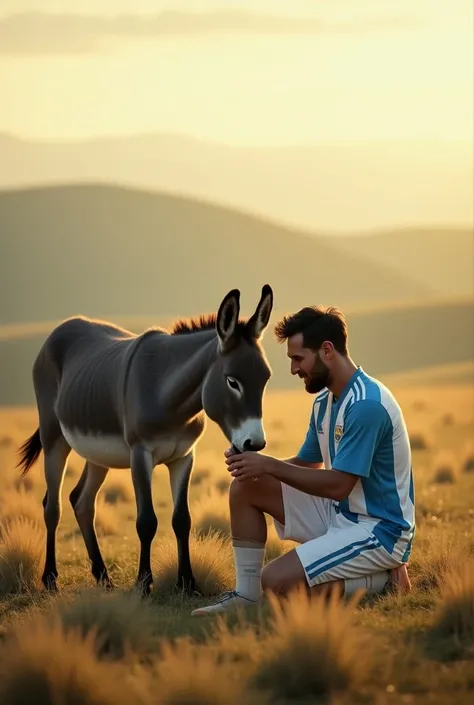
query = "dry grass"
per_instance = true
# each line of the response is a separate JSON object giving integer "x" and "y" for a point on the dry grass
{"x": 106, "y": 519}
{"x": 455, "y": 611}
{"x": 21, "y": 557}
{"x": 118, "y": 488}
{"x": 122, "y": 621}
{"x": 186, "y": 675}
{"x": 16, "y": 504}
{"x": 212, "y": 562}
{"x": 439, "y": 553}
{"x": 211, "y": 513}
{"x": 199, "y": 475}
{"x": 42, "y": 665}
{"x": 467, "y": 458}
{"x": 420, "y": 645}
{"x": 315, "y": 650}
{"x": 29, "y": 483}
{"x": 420, "y": 440}
{"x": 222, "y": 485}
{"x": 445, "y": 468}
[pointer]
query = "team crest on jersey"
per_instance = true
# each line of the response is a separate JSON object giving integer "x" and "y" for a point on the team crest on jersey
{"x": 338, "y": 433}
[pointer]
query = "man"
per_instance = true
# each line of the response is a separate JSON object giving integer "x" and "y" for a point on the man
{"x": 347, "y": 498}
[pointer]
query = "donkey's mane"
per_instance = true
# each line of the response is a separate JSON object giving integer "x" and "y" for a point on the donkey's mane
{"x": 200, "y": 323}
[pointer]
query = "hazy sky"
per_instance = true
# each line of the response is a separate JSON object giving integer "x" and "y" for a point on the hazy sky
{"x": 385, "y": 69}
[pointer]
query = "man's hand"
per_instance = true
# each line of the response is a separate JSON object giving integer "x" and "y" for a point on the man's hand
{"x": 249, "y": 465}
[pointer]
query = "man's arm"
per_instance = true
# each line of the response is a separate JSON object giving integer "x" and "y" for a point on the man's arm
{"x": 309, "y": 455}
{"x": 365, "y": 424}
{"x": 303, "y": 463}
{"x": 331, "y": 484}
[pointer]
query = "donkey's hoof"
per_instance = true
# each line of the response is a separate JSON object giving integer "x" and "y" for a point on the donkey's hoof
{"x": 49, "y": 582}
{"x": 107, "y": 584}
{"x": 188, "y": 586}
{"x": 144, "y": 587}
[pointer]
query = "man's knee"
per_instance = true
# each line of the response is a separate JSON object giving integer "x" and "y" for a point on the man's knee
{"x": 248, "y": 491}
{"x": 265, "y": 495}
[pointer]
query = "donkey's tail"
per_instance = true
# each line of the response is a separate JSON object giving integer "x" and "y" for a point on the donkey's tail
{"x": 29, "y": 452}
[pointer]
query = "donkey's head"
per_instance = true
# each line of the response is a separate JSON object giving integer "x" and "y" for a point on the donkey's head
{"x": 233, "y": 391}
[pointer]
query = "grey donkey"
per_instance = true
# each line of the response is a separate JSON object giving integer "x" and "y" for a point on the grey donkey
{"x": 122, "y": 400}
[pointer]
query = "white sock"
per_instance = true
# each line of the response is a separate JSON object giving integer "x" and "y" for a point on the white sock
{"x": 371, "y": 583}
{"x": 248, "y": 569}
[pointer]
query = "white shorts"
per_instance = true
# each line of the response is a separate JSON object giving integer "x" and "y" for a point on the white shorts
{"x": 332, "y": 547}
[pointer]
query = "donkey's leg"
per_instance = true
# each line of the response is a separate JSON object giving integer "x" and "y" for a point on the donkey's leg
{"x": 55, "y": 457}
{"x": 180, "y": 472}
{"x": 147, "y": 523}
{"x": 83, "y": 499}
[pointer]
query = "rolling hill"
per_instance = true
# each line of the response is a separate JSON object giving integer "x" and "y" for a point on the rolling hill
{"x": 326, "y": 187}
{"x": 436, "y": 257}
{"x": 106, "y": 251}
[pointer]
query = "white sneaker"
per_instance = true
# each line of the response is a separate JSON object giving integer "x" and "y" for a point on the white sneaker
{"x": 226, "y": 601}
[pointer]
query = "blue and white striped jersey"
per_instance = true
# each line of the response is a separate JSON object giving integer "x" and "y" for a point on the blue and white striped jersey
{"x": 363, "y": 432}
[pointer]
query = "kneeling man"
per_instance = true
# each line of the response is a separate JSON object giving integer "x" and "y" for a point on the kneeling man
{"x": 347, "y": 497}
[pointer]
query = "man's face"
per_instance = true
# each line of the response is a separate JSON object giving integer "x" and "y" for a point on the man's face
{"x": 308, "y": 365}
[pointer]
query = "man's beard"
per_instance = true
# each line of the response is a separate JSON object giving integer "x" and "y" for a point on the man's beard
{"x": 317, "y": 379}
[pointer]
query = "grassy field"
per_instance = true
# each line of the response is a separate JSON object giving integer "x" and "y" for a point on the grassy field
{"x": 114, "y": 648}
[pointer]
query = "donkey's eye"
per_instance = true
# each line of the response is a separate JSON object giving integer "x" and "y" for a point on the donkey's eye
{"x": 233, "y": 384}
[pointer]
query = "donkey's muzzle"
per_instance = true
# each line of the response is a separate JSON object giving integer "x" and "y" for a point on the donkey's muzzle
{"x": 249, "y": 445}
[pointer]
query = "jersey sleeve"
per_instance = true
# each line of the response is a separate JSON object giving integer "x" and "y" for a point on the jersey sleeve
{"x": 365, "y": 424}
{"x": 310, "y": 451}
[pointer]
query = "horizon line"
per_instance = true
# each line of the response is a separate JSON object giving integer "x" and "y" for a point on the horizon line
{"x": 284, "y": 144}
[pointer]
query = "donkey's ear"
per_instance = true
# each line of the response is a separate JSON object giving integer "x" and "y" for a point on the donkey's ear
{"x": 227, "y": 318}
{"x": 259, "y": 321}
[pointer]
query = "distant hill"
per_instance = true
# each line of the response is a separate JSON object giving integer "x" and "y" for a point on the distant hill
{"x": 322, "y": 187}
{"x": 108, "y": 251}
{"x": 439, "y": 258}
{"x": 435, "y": 376}
{"x": 428, "y": 342}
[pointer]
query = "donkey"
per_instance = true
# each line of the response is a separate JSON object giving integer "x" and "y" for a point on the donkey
{"x": 122, "y": 400}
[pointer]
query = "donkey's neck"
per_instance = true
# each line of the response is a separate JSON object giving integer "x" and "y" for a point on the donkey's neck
{"x": 193, "y": 355}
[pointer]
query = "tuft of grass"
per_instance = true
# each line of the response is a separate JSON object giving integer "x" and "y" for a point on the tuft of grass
{"x": 420, "y": 440}
{"x": 223, "y": 484}
{"x": 118, "y": 488}
{"x": 30, "y": 483}
{"x": 122, "y": 621}
{"x": 314, "y": 648}
{"x": 212, "y": 562}
{"x": 211, "y": 513}
{"x": 106, "y": 519}
{"x": 6, "y": 441}
{"x": 436, "y": 557}
{"x": 21, "y": 556}
{"x": 447, "y": 419}
{"x": 467, "y": 461}
{"x": 42, "y": 665}
{"x": 455, "y": 613}
{"x": 199, "y": 475}
{"x": 444, "y": 468}
{"x": 16, "y": 504}
{"x": 190, "y": 675}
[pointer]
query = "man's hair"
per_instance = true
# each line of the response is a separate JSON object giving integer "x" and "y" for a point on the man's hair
{"x": 316, "y": 325}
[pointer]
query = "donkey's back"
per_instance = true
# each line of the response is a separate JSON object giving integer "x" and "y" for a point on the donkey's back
{"x": 86, "y": 359}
